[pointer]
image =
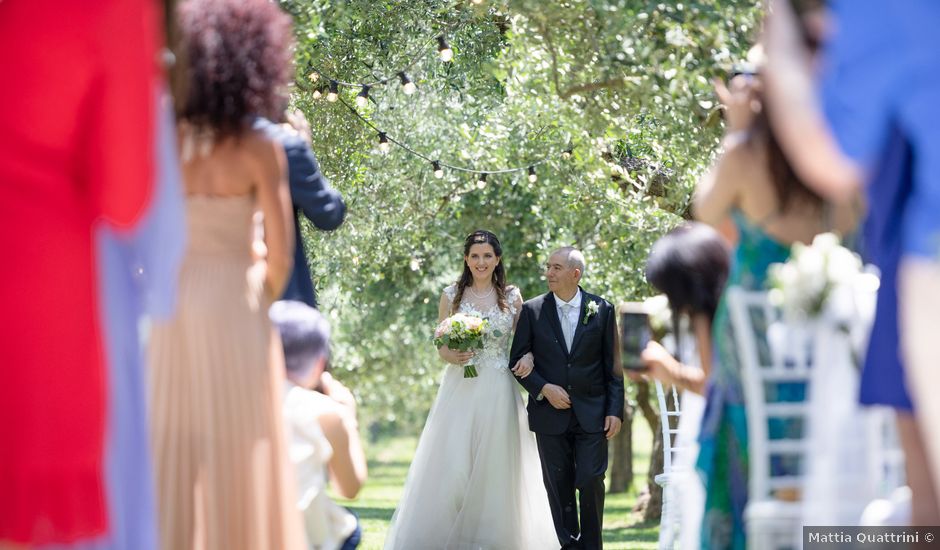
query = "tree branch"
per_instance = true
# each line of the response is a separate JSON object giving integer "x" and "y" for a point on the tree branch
{"x": 551, "y": 52}
{"x": 592, "y": 86}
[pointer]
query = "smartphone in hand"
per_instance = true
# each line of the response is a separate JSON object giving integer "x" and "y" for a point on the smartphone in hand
{"x": 635, "y": 333}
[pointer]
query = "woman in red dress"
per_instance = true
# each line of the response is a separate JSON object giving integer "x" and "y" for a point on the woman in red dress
{"x": 76, "y": 132}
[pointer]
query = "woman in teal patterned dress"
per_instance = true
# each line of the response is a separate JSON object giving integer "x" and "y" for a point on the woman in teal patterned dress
{"x": 752, "y": 193}
{"x": 723, "y": 438}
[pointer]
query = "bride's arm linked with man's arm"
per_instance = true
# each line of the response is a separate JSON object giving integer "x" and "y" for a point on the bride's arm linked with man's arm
{"x": 533, "y": 382}
{"x": 526, "y": 364}
{"x": 539, "y": 387}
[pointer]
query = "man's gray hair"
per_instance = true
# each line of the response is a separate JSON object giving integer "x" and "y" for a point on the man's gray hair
{"x": 574, "y": 257}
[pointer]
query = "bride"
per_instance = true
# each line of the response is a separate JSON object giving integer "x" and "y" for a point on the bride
{"x": 476, "y": 482}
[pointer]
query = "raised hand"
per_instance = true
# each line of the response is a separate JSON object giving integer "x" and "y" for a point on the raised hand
{"x": 337, "y": 391}
{"x": 739, "y": 99}
{"x": 660, "y": 364}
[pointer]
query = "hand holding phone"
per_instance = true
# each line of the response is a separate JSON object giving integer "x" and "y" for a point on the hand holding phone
{"x": 635, "y": 334}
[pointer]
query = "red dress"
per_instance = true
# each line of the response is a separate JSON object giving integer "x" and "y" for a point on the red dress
{"x": 77, "y": 83}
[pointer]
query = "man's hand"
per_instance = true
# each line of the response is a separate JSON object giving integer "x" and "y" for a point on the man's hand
{"x": 611, "y": 426}
{"x": 556, "y": 396}
{"x": 524, "y": 366}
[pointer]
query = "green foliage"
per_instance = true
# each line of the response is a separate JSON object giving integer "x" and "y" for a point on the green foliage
{"x": 626, "y": 83}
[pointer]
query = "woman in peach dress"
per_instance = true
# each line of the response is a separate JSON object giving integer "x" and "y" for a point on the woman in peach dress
{"x": 223, "y": 479}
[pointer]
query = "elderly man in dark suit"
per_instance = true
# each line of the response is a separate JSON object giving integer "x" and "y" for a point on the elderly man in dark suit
{"x": 575, "y": 394}
{"x": 311, "y": 195}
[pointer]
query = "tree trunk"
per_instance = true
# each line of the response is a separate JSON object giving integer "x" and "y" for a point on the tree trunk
{"x": 654, "y": 506}
{"x": 621, "y": 450}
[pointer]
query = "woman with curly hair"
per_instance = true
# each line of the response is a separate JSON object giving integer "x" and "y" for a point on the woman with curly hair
{"x": 222, "y": 472}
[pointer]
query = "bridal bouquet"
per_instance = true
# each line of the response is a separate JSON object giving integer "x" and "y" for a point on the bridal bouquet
{"x": 814, "y": 274}
{"x": 462, "y": 332}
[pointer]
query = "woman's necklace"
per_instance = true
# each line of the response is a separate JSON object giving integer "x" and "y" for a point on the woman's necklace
{"x": 484, "y": 296}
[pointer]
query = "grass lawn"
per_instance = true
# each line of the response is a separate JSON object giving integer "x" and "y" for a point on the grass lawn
{"x": 388, "y": 465}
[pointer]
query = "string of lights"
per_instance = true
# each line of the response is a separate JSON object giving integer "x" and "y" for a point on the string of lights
{"x": 438, "y": 166}
{"x": 331, "y": 85}
{"x": 330, "y": 88}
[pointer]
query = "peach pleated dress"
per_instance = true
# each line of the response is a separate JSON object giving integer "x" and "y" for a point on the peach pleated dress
{"x": 216, "y": 370}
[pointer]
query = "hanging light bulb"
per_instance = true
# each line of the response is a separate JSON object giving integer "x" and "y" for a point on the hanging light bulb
{"x": 314, "y": 76}
{"x": 363, "y": 98}
{"x": 317, "y": 93}
{"x": 438, "y": 172}
{"x": 481, "y": 181}
{"x": 443, "y": 49}
{"x": 384, "y": 145}
{"x": 566, "y": 154}
{"x": 334, "y": 92}
{"x": 407, "y": 85}
{"x": 532, "y": 177}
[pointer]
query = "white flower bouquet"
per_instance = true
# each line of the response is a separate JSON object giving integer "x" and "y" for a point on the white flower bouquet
{"x": 462, "y": 332}
{"x": 804, "y": 284}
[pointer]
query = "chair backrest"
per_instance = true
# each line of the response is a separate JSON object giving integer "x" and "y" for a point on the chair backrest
{"x": 669, "y": 413}
{"x": 678, "y": 479}
{"x": 775, "y": 359}
{"x": 884, "y": 446}
{"x": 668, "y": 399}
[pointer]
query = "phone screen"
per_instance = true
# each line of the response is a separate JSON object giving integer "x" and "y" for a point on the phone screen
{"x": 634, "y": 335}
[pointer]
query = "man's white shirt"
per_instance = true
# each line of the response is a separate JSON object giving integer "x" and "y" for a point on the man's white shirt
{"x": 568, "y": 316}
{"x": 575, "y": 309}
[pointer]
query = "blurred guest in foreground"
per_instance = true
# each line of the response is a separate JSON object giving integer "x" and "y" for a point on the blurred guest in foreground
{"x": 690, "y": 266}
{"x": 223, "y": 475}
{"x": 876, "y": 124}
{"x": 77, "y": 144}
{"x": 752, "y": 183}
{"x": 310, "y": 193}
{"x": 324, "y": 430}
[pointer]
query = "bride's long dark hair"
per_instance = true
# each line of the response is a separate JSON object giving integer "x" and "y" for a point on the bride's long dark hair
{"x": 499, "y": 273}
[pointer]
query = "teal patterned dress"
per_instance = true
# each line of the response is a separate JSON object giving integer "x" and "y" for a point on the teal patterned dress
{"x": 723, "y": 455}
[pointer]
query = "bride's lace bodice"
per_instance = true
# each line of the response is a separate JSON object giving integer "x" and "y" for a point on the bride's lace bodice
{"x": 495, "y": 352}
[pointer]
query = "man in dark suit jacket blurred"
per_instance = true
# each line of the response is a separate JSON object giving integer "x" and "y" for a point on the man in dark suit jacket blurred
{"x": 575, "y": 394}
{"x": 311, "y": 194}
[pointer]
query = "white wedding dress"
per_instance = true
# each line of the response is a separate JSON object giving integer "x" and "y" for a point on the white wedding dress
{"x": 476, "y": 480}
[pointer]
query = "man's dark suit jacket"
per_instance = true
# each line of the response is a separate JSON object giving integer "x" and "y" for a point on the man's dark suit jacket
{"x": 312, "y": 196}
{"x": 587, "y": 373}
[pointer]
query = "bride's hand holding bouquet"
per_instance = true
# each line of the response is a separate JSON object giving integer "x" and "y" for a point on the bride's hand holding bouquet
{"x": 461, "y": 334}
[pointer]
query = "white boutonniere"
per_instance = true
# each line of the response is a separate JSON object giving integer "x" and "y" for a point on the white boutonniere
{"x": 589, "y": 311}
